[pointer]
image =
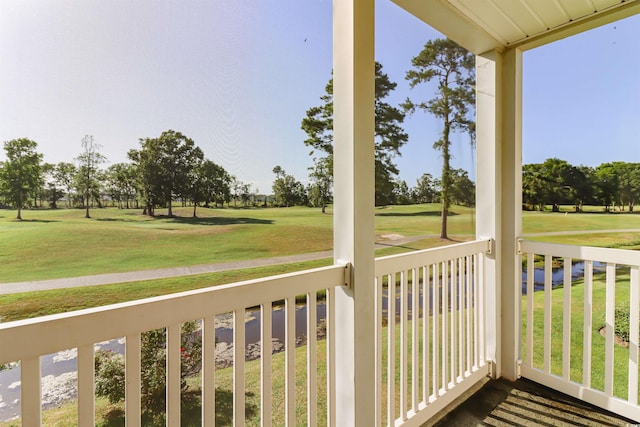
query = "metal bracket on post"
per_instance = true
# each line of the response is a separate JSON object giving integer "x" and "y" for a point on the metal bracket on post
{"x": 519, "y": 246}
{"x": 348, "y": 274}
{"x": 490, "y": 246}
{"x": 519, "y": 368}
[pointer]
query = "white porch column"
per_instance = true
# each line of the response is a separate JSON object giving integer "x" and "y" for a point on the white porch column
{"x": 499, "y": 199}
{"x": 353, "y": 127}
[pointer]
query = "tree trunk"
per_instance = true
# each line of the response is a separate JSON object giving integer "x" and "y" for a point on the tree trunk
{"x": 86, "y": 213}
{"x": 194, "y": 209}
{"x": 446, "y": 181}
{"x": 19, "y": 217}
{"x": 170, "y": 213}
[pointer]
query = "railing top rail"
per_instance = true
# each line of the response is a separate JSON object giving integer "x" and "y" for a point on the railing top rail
{"x": 30, "y": 338}
{"x": 588, "y": 253}
{"x": 406, "y": 261}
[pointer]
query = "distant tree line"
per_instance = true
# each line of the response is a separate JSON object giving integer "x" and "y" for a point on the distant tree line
{"x": 556, "y": 182}
{"x": 163, "y": 170}
{"x": 290, "y": 192}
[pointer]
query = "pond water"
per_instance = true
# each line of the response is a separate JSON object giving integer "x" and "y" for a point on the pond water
{"x": 557, "y": 275}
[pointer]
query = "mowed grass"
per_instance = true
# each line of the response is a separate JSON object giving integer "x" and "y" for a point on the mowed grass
{"x": 621, "y": 353}
{"x": 61, "y": 243}
{"x": 545, "y": 222}
{"x": 52, "y": 244}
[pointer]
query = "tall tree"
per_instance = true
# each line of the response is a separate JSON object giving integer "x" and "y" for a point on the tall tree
{"x": 288, "y": 191}
{"x": 453, "y": 69}
{"x": 463, "y": 190}
{"x": 21, "y": 173}
{"x": 63, "y": 175}
{"x": 87, "y": 177}
{"x": 533, "y": 186}
{"x": 121, "y": 183}
{"x": 389, "y": 134}
{"x": 425, "y": 189}
{"x": 321, "y": 183}
{"x": 164, "y": 165}
{"x": 216, "y": 183}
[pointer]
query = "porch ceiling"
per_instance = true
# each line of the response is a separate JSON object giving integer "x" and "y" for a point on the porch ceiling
{"x": 483, "y": 25}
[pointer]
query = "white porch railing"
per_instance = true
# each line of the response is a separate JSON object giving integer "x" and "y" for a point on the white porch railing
{"x": 434, "y": 347}
{"x": 27, "y": 340}
{"x": 564, "y": 347}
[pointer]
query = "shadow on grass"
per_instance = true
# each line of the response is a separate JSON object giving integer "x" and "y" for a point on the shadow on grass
{"x": 197, "y": 221}
{"x": 191, "y": 410}
{"x": 44, "y": 221}
{"x": 423, "y": 213}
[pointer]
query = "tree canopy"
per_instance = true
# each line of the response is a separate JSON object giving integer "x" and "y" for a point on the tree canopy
{"x": 21, "y": 173}
{"x": 453, "y": 69}
{"x": 164, "y": 165}
{"x": 389, "y": 134}
{"x": 88, "y": 172}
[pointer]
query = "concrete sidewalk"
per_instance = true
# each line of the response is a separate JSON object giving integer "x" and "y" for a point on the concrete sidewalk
{"x": 135, "y": 276}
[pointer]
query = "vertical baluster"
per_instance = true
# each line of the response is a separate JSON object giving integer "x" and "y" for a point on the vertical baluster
{"x": 479, "y": 291}
{"x": 132, "y": 390}
{"x": 391, "y": 349}
{"x": 426, "y": 314}
{"x": 444, "y": 323}
{"x": 290, "y": 364}
{"x": 239, "y": 332}
{"x": 208, "y": 371}
{"x": 266, "y": 322}
{"x": 609, "y": 327}
{"x": 331, "y": 351}
{"x": 469, "y": 310}
{"x": 30, "y": 392}
{"x": 452, "y": 322}
{"x": 588, "y": 323}
{"x": 415, "y": 314}
{"x": 566, "y": 321}
{"x": 86, "y": 389}
{"x": 634, "y": 315}
{"x": 547, "y": 313}
{"x": 530, "y": 290}
{"x": 312, "y": 362}
{"x": 460, "y": 311}
{"x": 173, "y": 374}
{"x": 435, "y": 335}
{"x": 378, "y": 329}
{"x": 403, "y": 345}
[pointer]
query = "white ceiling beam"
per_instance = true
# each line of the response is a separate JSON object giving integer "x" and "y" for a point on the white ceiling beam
{"x": 623, "y": 10}
{"x": 444, "y": 18}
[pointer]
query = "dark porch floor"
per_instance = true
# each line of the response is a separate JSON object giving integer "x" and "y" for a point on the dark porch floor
{"x": 525, "y": 403}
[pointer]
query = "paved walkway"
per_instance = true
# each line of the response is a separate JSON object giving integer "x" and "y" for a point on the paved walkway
{"x": 134, "y": 276}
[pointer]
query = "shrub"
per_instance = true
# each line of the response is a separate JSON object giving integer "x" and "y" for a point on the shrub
{"x": 110, "y": 368}
{"x": 622, "y": 322}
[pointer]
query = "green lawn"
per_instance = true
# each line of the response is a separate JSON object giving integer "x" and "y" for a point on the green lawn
{"x": 62, "y": 243}
{"x": 541, "y": 222}
{"x": 621, "y": 353}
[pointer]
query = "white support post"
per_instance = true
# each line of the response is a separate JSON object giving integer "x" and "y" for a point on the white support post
{"x": 353, "y": 99}
{"x": 499, "y": 199}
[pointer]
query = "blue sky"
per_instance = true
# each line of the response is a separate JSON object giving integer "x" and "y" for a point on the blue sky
{"x": 238, "y": 75}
